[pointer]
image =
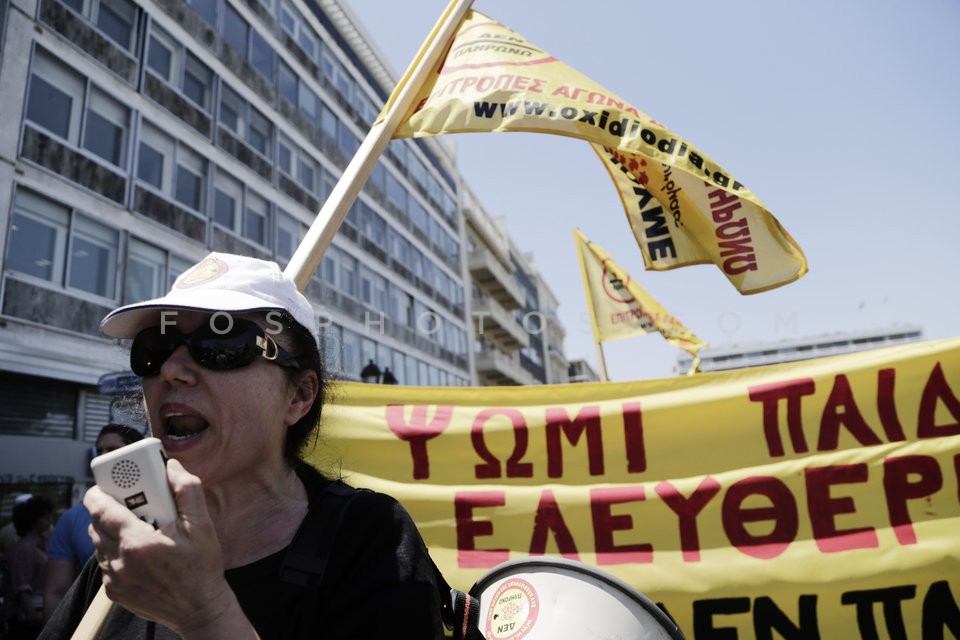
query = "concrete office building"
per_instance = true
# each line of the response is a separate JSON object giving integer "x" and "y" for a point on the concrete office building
{"x": 518, "y": 336}
{"x": 738, "y": 356}
{"x": 581, "y": 371}
{"x": 140, "y": 135}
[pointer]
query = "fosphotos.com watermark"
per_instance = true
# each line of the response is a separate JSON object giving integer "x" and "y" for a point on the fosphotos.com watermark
{"x": 729, "y": 324}
{"x": 427, "y": 323}
{"x": 430, "y": 323}
{"x": 221, "y": 322}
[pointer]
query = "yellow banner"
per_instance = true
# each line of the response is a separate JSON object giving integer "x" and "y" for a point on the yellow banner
{"x": 805, "y": 500}
{"x": 683, "y": 207}
{"x": 621, "y": 308}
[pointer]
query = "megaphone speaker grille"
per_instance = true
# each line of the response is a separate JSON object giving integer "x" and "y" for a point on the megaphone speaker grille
{"x": 125, "y": 474}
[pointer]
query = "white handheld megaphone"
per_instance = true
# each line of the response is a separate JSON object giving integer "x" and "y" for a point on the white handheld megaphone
{"x": 558, "y": 599}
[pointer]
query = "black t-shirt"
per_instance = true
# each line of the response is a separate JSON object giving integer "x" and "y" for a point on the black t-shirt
{"x": 379, "y": 581}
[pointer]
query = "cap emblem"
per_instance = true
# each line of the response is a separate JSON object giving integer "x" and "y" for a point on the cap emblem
{"x": 206, "y": 271}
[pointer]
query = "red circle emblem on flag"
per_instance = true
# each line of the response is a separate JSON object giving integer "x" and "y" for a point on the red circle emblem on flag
{"x": 616, "y": 290}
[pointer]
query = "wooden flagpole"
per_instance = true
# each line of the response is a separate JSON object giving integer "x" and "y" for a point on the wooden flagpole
{"x": 93, "y": 619}
{"x": 603, "y": 363}
{"x": 310, "y": 252}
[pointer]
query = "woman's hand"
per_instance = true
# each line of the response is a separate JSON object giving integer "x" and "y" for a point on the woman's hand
{"x": 172, "y": 575}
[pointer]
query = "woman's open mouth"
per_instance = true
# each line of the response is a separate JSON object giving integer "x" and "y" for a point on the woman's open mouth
{"x": 182, "y": 426}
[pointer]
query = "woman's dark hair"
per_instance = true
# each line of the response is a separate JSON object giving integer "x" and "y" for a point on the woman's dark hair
{"x": 129, "y": 435}
{"x": 301, "y": 343}
{"x": 27, "y": 514}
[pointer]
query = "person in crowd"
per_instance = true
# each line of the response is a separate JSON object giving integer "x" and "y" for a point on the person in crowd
{"x": 8, "y": 533}
{"x": 8, "y": 540}
{"x": 70, "y": 544}
{"x": 28, "y": 562}
{"x": 233, "y": 386}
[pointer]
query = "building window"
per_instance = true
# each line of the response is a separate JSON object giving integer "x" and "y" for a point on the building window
{"x": 59, "y": 101}
{"x": 259, "y": 132}
{"x": 191, "y": 169}
{"x": 372, "y": 225}
{"x": 145, "y": 276}
{"x": 247, "y": 43}
{"x": 55, "y": 98}
{"x": 107, "y": 123}
{"x": 197, "y": 81}
{"x": 399, "y": 367}
{"x": 236, "y": 31}
{"x": 398, "y": 149}
{"x": 308, "y": 102}
{"x": 347, "y": 141}
{"x": 50, "y": 241}
{"x": 401, "y": 306}
{"x": 307, "y": 42}
{"x": 179, "y": 68}
{"x": 351, "y": 353}
{"x": 366, "y": 286}
{"x": 150, "y": 271}
{"x": 207, "y": 9}
{"x": 378, "y": 177}
{"x": 171, "y": 168}
{"x": 156, "y": 158}
{"x": 160, "y": 55}
{"x": 299, "y": 165}
{"x": 232, "y": 110}
{"x": 307, "y": 172}
{"x": 261, "y": 55}
{"x": 365, "y": 109}
{"x": 38, "y": 237}
{"x": 368, "y": 351}
{"x": 380, "y": 296}
{"x": 289, "y": 234}
{"x": 329, "y": 125}
{"x": 117, "y": 19}
{"x": 449, "y": 208}
{"x": 340, "y": 271}
{"x": 348, "y": 275}
{"x": 242, "y": 213}
{"x": 416, "y": 261}
{"x": 256, "y": 214}
{"x": 327, "y": 183}
{"x": 299, "y": 32}
{"x": 410, "y": 377}
{"x": 419, "y": 216}
{"x": 286, "y": 154}
{"x": 227, "y": 199}
{"x": 93, "y": 257}
{"x": 397, "y": 195}
{"x": 328, "y": 268}
{"x": 334, "y": 72}
{"x": 287, "y": 83}
{"x": 244, "y": 121}
{"x": 288, "y": 18}
{"x": 418, "y": 173}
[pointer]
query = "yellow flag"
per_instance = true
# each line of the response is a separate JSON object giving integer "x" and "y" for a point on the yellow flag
{"x": 683, "y": 207}
{"x": 619, "y": 307}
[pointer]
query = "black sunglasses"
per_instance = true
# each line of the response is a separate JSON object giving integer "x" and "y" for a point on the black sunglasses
{"x": 208, "y": 346}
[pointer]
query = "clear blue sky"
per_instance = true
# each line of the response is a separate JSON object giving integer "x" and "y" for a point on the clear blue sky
{"x": 843, "y": 117}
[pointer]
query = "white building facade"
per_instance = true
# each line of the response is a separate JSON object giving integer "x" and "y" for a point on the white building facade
{"x": 139, "y": 136}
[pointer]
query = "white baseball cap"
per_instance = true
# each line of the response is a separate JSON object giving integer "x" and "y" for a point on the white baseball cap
{"x": 219, "y": 282}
